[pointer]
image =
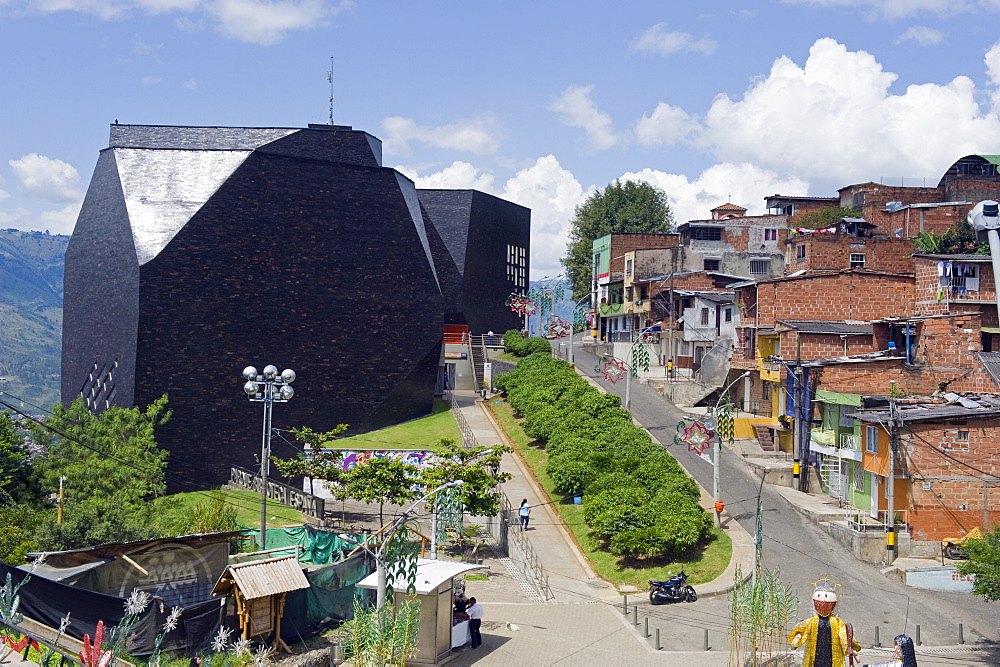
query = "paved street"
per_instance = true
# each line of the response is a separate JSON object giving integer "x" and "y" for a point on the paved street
{"x": 805, "y": 553}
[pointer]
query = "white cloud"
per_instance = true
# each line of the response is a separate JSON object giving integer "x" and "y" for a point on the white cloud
{"x": 190, "y": 84}
{"x": 457, "y": 176}
{"x": 922, "y": 35}
{"x": 667, "y": 125}
{"x": 262, "y": 22}
{"x": 576, "y": 109}
{"x": 265, "y": 22}
{"x": 60, "y": 221}
{"x": 743, "y": 184}
{"x": 4, "y": 195}
{"x": 992, "y": 61}
{"x": 894, "y": 9}
{"x": 834, "y": 122}
{"x": 658, "y": 39}
{"x": 479, "y": 135}
{"x": 151, "y": 80}
{"x": 50, "y": 179}
{"x": 552, "y": 193}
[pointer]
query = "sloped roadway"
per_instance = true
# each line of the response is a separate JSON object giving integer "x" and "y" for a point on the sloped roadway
{"x": 804, "y": 553}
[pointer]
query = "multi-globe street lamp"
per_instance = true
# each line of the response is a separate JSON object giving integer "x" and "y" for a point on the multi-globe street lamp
{"x": 268, "y": 388}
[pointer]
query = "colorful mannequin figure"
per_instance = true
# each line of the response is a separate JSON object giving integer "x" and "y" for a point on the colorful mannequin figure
{"x": 824, "y": 634}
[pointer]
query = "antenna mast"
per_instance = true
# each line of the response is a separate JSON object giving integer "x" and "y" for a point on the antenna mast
{"x": 329, "y": 77}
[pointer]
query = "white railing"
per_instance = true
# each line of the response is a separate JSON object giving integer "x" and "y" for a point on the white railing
{"x": 850, "y": 441}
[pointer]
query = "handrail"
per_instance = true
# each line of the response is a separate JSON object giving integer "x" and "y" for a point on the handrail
{"x": 64, "y": 656}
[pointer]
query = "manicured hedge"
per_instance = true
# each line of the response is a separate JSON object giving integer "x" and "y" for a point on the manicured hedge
{"x": 519, "y": 346}
{"x": 636, "y": 496}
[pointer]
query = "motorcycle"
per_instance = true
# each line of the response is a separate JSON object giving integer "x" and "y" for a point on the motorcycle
{"x": 675, "y": 589}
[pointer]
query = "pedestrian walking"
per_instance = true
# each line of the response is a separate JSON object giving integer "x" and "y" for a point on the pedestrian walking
{"x": 489, "y": 337}
{"x": 475, "y": 612}
{"x": 524, "y": 513}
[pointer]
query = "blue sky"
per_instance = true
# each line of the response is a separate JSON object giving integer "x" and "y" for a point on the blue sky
{"x": 538, "y": 102}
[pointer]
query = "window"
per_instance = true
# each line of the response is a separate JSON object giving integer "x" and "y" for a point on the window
{"x": 770, "y": 234}
{"x": 729, "y": 314}
{"x": 706, "y": 233}
{"x": 858, "y": 477}
{"x": 712, "y": 263}
{"x": 963, "y": 436}
{"x": 871, "y": 439}
{"x": 800, "y": 252}
{"x": 759, "y": 267}
{"x": 704, "y": 316}
{"x": 857, "y": 260}
{"x": 628, "y": 267}
{"x": 628, "y": 293}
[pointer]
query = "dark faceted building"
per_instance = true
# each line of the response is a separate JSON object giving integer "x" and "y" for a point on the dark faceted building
{"x": 202, "y": 250}
{"x": 480, "y": 247}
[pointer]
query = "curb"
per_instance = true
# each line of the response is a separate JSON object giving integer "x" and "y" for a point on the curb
{"x": 530, "y": 477}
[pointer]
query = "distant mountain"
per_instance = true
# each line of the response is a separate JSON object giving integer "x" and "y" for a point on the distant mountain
{"x": 563, "y": 307}
{"x": 31, "y": 301}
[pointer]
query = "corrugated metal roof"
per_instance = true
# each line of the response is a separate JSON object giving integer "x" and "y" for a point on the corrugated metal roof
{"x": 838, "y": 328}
{"x": 258, "y": 579}
{"x": 430, "y": 575}
{"x": 955, "y": 258}
{"x": 991, "y": 363}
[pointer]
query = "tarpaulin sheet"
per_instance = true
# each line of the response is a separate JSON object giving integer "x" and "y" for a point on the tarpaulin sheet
{"x": 329, "y": 598}
{"x": 319, "y": 547}
{"x": 49, "y": 601}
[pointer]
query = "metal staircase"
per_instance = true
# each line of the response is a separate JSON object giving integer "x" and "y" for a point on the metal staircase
{"x": 832, "y": 479}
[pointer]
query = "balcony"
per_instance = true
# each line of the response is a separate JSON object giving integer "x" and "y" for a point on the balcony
{"x": 770, "y": 371}
{"x": 850, "y": 441}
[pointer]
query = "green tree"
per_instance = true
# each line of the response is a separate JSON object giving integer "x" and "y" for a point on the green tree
{"x": 16, "y": 483}
{"x": 618, "y": 208}
{"x": 984, "y": 562}
{"x": 825, "y": 217}
{"x": 960, "y": 239}
{"x": 381, "y": 480}
{"x": 317, "y": 461}
{"x": 478, "y": 468}
{"x": 112, "y": 469}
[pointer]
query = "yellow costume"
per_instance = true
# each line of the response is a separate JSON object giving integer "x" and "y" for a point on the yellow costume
{"x": 805, "y": 633}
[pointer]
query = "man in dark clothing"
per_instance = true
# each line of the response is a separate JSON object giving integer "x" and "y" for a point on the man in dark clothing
{"x": 475, "y": 612}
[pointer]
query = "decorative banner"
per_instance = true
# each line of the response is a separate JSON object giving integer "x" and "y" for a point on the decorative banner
{"x": 449, "y": 508}
{"x": 640, "y": 357}
{"x": 522, "y": 304}
{"x": 612, "y": 369}
{"x": 697, "y": 438}
{"x": 581, "y": 319}
{"x": 558, "y": 327}
{"x": 678, "y": 433}
{"x": 725, "y": 424}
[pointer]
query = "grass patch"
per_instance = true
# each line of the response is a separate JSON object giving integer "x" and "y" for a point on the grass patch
{"x": 702, "y": 565}
{"x": 422, "y": 433}
{"x": 506, "y": 356}
{"x": 477, "y": 577}
{"x": 245, "y": 502}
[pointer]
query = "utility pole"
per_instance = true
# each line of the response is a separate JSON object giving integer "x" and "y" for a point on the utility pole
{"x": 801, "y": 424}
{"x": 59, "y": 502}
{"x": 890, "y": 480}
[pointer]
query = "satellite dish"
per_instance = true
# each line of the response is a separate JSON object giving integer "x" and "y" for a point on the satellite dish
{"x": 984, "y": 217}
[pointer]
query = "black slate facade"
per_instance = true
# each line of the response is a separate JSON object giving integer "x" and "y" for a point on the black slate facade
{"x": 200, "y": 251}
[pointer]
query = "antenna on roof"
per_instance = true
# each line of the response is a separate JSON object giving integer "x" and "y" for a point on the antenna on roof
{"x": 329, "y": 77}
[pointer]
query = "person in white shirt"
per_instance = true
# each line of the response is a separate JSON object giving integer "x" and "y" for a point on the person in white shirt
{"x": 475, "y": 612}
{"x": 523, "y": 513}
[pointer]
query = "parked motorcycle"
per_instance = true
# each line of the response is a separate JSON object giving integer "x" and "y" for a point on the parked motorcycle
{"x": 675, "y": 589}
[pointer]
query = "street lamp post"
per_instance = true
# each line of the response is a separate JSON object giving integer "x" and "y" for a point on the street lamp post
{"x": 718, "y": 447}
{"x": 268, "y": 388}
{"x": 759, "y": 534}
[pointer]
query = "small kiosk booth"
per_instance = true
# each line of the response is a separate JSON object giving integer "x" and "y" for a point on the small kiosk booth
{"x": 259, "y": 588}
{"x": 437, "y": 635}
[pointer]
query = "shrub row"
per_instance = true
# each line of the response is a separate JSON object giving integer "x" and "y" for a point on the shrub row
{"x": 636, "y": 496}
{"x": 520, "y": 346}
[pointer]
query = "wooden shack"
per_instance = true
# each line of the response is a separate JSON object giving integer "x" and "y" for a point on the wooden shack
{"x": 259, "y": 588}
